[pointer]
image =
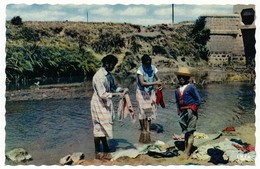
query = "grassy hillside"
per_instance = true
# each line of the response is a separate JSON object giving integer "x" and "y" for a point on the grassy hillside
{"x": 63, "y": 49}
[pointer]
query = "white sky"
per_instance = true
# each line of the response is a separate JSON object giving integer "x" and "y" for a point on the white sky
{"x": 144, "y": 12}
{"x": 135, "y": 14}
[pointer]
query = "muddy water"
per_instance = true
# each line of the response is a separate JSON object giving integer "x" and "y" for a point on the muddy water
{"x": 51, "y": 129}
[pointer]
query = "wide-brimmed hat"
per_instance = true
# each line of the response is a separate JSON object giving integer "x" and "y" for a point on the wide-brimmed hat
{"x": 183, "y": 71}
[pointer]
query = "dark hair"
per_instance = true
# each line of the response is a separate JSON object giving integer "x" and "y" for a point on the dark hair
{"x": 146, "y": 58}
{"x": 109, "y": 59}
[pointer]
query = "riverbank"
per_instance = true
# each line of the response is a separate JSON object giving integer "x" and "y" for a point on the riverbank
{"x": 246, "y": 133}
{"x": 54, "y": 91}
{"x": 82, "y": 90}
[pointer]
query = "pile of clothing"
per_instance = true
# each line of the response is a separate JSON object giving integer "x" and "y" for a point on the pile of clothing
{"x": 233, "y": 150}
{"x": 158, "y": 149}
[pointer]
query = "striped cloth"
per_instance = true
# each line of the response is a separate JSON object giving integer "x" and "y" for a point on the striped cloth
{"x": 125, "y": 107}
{"x": 147, "y": 104}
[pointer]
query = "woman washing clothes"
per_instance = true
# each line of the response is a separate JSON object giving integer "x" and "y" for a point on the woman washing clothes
{"x": 101, "y": 105}
{"x": 145, "y": 94}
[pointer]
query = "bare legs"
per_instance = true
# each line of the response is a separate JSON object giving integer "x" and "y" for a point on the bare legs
{"x": 145, "y": 125}
{"x": 189, "y": 139}
{"x": 148, "y": 124}
{"x": 97, "y": 141}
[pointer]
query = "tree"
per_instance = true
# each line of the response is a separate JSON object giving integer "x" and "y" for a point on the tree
{"x": 201, "y": 36}
{"x": 17, "y": 20}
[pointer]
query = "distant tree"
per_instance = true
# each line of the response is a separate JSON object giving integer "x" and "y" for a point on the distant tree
{"x": 17, "y": 20}
{"x": 201, "y": 36}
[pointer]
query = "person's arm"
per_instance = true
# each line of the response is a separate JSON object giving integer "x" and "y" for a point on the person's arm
{"x": 120, "y": 92}
{"x": 99, "y": 85}
{"x": 116, "y": 91}
{"x": 196, "y": 96}
{"x": 143, "y": 83}
{"x": 159, "y": 80}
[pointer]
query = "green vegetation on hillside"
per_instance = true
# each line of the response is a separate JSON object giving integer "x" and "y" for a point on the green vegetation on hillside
{"x": 65, "y": 49}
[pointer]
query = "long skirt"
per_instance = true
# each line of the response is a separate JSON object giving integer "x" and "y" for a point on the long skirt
{"x": 147, "y": 104}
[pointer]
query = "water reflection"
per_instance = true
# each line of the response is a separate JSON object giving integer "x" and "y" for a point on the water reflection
{"x": 145, "y": 137}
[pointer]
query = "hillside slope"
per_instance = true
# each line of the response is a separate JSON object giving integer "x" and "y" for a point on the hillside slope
{"x": 36, "y": 49}
{"x": 66, "y": 49}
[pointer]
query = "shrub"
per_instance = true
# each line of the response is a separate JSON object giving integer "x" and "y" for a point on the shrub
{"x": 17, "y": 20}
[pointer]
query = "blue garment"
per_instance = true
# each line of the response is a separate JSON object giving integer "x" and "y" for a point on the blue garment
{"x": 190, "y": 96}
{"x": 111, "y": 80}
{"x": 148, "y": 76}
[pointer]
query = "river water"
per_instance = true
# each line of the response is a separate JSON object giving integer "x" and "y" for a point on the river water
{"x": 52, "y": 129}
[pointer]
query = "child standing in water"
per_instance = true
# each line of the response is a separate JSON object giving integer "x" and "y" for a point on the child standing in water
{"x": 187, "y": 101}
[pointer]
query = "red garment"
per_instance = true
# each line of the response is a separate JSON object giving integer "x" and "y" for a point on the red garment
{"x": 249, "y": 148}
{"x": 193, "y": 107}
{"x": 159, "y": 97}
{"x": 228, "y": 129}
{"x": 245, "y": 149}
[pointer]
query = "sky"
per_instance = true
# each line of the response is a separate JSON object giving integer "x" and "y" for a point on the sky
{"x": 140, "y": 14}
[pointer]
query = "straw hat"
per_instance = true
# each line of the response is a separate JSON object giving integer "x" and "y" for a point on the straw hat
{"x": 183, "y": 71}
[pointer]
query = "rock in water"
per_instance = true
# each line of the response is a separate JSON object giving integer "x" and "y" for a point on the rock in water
{"x": 76, "y": 157}
{"x": 66, "y": 160}
{"x": 72, "y": 159}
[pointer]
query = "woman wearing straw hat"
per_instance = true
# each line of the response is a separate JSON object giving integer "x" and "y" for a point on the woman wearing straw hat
{"x": 188, "y": 101}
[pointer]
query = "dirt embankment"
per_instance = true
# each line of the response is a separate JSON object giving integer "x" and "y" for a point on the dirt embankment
{"x": 83, "y": 90}
{"x": 57, "y": 91}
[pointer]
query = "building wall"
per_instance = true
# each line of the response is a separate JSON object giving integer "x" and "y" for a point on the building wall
{"x": 226, "y": 42}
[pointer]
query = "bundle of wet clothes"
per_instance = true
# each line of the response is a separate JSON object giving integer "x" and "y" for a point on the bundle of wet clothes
{"x": 161, "y": 151}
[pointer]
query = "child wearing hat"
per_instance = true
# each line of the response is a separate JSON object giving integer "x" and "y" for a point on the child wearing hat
{"x": 187, "y": 101}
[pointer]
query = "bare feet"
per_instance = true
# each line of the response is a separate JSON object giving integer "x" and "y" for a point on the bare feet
{"x": 106, "y": 156}
{"x": 183, "y": 156}
{"x": 98, "y": 155}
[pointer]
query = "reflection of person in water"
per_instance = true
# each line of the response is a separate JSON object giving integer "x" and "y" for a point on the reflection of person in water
{"x": 145, "y": 137}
